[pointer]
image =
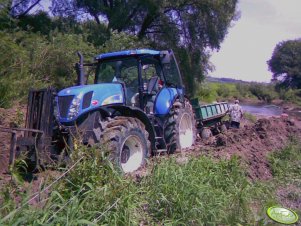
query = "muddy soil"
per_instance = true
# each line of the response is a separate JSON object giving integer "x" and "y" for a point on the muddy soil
{"x": 253, "y": 142}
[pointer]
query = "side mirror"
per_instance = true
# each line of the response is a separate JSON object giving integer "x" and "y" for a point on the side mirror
{"x": 165, "y": 57}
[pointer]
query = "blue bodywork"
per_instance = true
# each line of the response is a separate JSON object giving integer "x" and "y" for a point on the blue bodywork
{"x": 100, "y": 93}
{"x": 74, "y": 102}
{"x": 165, "y": 100}
{"x": 127, "y": 53}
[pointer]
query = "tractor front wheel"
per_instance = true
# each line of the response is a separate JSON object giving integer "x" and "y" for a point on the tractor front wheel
{"x": 127, "y": 141}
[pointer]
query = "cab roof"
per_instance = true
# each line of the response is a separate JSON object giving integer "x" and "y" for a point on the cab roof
{"x": 125, "y": 53}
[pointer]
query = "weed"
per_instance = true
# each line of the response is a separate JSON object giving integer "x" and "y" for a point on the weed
{"x": 250, "y": 117}
{"x": 285, "y": 164}
{"x": 201, "y": 191}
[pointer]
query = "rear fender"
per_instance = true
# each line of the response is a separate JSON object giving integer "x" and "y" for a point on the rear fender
{"x": 165, "y": 100}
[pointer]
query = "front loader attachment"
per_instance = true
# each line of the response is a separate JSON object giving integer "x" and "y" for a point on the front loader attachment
{"x": 35, "y": 140}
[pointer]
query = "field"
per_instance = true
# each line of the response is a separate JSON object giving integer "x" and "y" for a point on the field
{"x": 222, "y": 182}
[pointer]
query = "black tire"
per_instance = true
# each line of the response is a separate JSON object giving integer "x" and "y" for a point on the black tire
{"x": 126, "y": 140}
{"x": 172, "y": 125}
{"x": 206, "y": 133}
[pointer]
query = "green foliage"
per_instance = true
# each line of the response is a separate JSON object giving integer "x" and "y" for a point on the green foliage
{"x": 205, "y": 94}
{"x": 290, "y": 95}
{"x": 285, "y": 164}
{"x": 213, "y": 91}
{"x": 122, "y": 41}
{"x": 189, "y": 28}
{"x": 39, "y": 22}
{"x": 285, "y": 63}
{"x": 263, "y": 92}
{"x": 179, "y": 195}
{"x": 33, "y": 61}
{"x": 250, "y": 117}
{"x": 173, "y": 193}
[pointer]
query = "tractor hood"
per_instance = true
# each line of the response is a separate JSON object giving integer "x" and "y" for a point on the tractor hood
{"x": 75, "y": 101}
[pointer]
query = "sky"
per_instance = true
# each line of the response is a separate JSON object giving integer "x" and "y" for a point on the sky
{"x": 251, "y": 40}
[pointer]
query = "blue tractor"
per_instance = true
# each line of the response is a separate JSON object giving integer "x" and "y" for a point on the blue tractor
{"x": 136, "y": 106}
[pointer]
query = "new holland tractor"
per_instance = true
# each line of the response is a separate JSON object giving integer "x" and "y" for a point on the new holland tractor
{"x": 135, "y": 107}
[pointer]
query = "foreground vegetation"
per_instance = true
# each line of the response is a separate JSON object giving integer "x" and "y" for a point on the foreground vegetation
{"x": 194, "y": 191}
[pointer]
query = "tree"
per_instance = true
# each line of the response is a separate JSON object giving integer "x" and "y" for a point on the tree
{"x": 20, "y": 8}
{"x": 285, "y": 63}
{"x": 190, "y": 27}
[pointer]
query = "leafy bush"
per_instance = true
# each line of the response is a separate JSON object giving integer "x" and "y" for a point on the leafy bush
{"x": 33, "y": 61}
{"x": 263, "y": 92}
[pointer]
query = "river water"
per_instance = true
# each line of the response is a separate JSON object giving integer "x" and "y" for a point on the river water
{"x": 265, "y": 110}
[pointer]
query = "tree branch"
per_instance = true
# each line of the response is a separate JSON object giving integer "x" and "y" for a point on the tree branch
{"x": 30, "y": 8}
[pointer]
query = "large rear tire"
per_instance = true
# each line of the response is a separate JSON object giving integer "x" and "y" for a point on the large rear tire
{"x": 180, "y": 127}
{"x": 127, "y": 141}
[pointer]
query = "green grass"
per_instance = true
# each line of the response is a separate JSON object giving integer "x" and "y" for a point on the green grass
{"x": 286, "y": 164}
{"x": 250, "y": 117}
{"x": 201, "y": 191}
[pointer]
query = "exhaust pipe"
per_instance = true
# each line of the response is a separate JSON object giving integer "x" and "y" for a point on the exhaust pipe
{"x": 80, "y": 69}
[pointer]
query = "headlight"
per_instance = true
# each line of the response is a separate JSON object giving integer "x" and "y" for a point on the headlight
{"x": 113, "y": 99}
{"x": 74, "y": 108}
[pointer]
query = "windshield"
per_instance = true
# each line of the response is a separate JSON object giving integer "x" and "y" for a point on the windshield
{"x": 120, "y": 70}
{"x": 124, "y": 70}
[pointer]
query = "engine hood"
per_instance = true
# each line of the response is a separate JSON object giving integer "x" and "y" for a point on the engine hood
{"x": 87, "y": 98}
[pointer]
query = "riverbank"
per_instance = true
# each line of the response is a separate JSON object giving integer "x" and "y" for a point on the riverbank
{"x": 275, "y": 108}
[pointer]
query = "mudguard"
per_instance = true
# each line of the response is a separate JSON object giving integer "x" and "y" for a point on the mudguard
{"x": 165, "y": 100}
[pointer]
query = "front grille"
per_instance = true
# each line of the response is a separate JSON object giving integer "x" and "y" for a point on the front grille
{"x": 87, "y": 99}
{"x": 64, "y": 104}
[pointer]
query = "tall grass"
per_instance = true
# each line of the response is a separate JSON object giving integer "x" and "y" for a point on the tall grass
{"x": 286, "y": 164}
{"x": 202, "y": 191}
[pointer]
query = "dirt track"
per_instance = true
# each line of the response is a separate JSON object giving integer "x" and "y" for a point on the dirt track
{"x": 252, "y": 142}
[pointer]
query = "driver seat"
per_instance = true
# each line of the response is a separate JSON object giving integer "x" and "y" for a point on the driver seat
{"x": 152, "y": 90}
{"x": 152, "y": 85}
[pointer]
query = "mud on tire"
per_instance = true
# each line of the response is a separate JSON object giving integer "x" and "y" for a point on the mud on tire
{"x": 127, "y": 141}
{"x": 180, "y": 127}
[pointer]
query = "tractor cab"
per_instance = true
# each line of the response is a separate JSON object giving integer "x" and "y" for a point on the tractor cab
{"x": 142, "y": 74}
{"x": 145, "y": 79}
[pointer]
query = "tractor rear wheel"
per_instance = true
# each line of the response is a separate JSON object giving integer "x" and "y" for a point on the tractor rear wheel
{"x": 180, "y": 127}
{"x": 127, "y": 141}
